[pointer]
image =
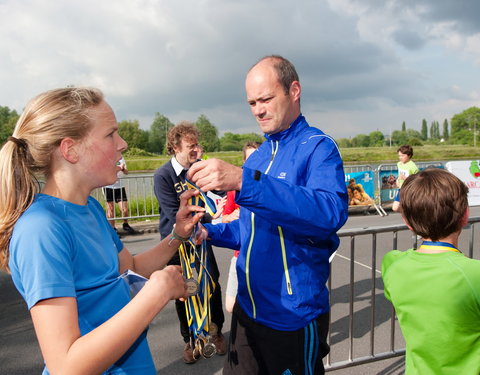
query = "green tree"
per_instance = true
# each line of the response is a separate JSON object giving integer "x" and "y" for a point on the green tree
{"x": 230, "y": 142}
{"x": 376, "y": 138}
{"x": 157, "y": 136}
{"x": 463, "y": 125}
{"x": 130, "y": 131}
{"x": 445, "y": 130}
{"x": 410, "y": 137}
{"x": 208, "y": 134}
{"x": 8, "y": 119}
{"x": 424, "y": 134}
{"x": 344, "y": 142}
{"x": 361, "y": 140}
{"x": 404, "y": 127}
{"x": 235, "y": 142}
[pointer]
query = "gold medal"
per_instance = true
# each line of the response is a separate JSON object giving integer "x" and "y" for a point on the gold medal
{"x": 192, "y": 287}
{"x": 209, "y": 349}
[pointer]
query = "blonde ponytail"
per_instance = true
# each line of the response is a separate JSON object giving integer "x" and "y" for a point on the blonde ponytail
{"x": 47, "y": 119}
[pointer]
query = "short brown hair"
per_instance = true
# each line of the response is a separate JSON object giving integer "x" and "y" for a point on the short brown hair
{"x": 249, "y": 144}
{"x": 183, "y": 130}
{"x": 406, "y": 149}
{"x": 433, "y": 203}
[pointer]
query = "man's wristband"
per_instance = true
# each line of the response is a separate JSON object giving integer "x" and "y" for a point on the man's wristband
{"x": 174, "y": 236}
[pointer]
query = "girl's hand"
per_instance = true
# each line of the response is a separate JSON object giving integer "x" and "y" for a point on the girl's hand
{"x": 185, "y": 221}
{"x": 170, "y": 281}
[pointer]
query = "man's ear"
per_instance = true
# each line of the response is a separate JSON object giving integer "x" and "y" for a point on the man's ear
{"x": 68, "y": 149}
{"x": 295, "y": 90}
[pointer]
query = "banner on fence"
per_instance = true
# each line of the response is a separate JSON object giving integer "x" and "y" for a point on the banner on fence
{"x": 364, "y": 178}
{"x": 469, "y": 172}
{"x": 388, "y": 185}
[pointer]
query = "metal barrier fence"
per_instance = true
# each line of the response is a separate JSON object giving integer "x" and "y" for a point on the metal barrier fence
{"x": 363, "y": 327}
{"x": 142, "y": 202}
{"x": 378, "y": 183}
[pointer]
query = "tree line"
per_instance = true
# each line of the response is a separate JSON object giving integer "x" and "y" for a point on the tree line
{"x": 153, "y": 140}
{"x": 461, "y": 130}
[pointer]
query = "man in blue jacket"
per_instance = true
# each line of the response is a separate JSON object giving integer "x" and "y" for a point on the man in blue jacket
{"x": 293, "y": 201}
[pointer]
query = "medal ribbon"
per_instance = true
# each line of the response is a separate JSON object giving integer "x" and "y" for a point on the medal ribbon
{"x": 192, "y": 258}
{"x": 437, "y": 245}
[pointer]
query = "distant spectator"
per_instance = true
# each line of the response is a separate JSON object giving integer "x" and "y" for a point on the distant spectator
{"x": 117, "y": 193}
{"x": 406, "y": 167}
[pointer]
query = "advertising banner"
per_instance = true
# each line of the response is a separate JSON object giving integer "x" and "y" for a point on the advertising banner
{"x": 364, "y": 178}
{"x": 388, "y": 185}
{"x": 469, "y": 172}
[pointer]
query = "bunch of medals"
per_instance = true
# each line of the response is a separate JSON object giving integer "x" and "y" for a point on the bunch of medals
{"x": 200, "y": 285}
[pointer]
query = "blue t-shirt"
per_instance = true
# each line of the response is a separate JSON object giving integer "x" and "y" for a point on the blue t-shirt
{"x": 60, "y": 249}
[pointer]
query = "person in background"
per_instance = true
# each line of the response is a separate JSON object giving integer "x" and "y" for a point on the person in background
{"x": 293, "y": 200}
{"x": 435, "y": 289}
{"x": 231, "y": 211}
{"x": 64, "y": 257}
{"x": 406, "y": 167}
{"x": 117, "y": 193}
{"x": 169, "y": 184}
{"x": 201, "y": 153}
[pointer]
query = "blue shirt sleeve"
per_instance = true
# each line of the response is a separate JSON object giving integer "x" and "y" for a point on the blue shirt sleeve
{"x": 225, "y": 234}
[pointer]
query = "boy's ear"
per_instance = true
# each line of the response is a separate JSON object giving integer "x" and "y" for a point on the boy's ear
{"x": 68, "y": 150}
{"x": 406, "y": 222}
{"x": 465, "y": 217}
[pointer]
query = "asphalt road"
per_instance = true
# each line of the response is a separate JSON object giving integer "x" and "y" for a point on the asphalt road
{"x": 20, "y": 355}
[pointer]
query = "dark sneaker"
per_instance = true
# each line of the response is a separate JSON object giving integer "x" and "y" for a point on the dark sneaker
{"x": 220, "y": 344}
{"x": 128, "y": 229}
{"x": 188, "y": 354}
{"x": 116, "y": 231}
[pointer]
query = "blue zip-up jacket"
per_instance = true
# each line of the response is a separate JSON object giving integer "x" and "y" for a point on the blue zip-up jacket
{"x": 293, "y": 201}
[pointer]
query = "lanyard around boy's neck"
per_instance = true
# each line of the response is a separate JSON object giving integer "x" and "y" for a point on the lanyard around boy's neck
{"x": 437, "y": 245}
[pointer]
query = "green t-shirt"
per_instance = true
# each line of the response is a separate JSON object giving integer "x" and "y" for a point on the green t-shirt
{"x": 405, "y": 170}
{"x": 437, "y": 301}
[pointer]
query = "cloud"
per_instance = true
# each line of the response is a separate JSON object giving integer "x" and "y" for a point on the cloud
{"x": 362, "y": 64}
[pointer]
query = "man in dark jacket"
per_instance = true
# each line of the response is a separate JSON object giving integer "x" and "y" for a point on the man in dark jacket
{"x": 293, "y": 201}
{"x": 169, "y": 184}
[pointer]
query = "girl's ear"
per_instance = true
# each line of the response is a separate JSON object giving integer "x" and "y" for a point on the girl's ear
{"x": 68, "y": 150}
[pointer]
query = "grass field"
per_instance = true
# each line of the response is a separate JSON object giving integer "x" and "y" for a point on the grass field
{"x": 360, "y": 155}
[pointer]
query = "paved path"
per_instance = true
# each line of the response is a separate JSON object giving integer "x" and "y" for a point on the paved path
{"x": 19, "y": 353}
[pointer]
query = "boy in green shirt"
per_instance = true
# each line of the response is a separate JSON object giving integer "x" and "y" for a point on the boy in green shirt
{"x": 406, "y": 167}
{"x": 436, "y": 289}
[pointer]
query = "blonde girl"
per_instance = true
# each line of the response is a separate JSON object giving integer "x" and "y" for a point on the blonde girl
{"x": 64, "y": 257}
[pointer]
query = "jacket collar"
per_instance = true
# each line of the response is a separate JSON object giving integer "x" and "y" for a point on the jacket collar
{"x": 295, "y": 127}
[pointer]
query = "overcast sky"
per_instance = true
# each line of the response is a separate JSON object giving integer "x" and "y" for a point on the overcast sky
{"x": 363, "y": 64}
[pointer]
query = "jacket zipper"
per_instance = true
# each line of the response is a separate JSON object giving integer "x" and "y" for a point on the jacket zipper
{"x": 285, "y": 264}
{"x": 252, "y": 235}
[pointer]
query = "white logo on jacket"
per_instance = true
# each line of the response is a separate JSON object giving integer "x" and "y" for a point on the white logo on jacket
{"x": 282, "y": 175}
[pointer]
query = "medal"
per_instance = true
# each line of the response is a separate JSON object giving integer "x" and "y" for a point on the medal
{"x": 209, "y": 349}
{"x": 192, "y": 286}
{"x": 197, "y": 350}
{"x": 199, "y": 287}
